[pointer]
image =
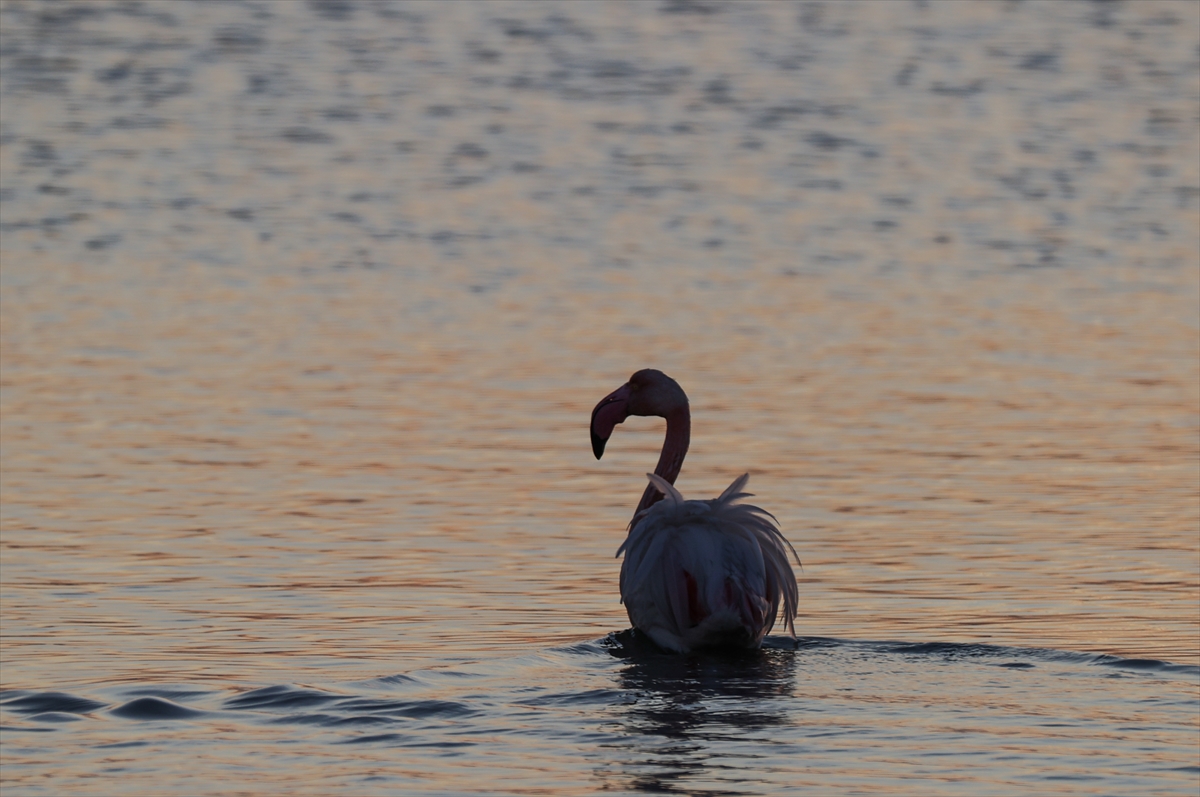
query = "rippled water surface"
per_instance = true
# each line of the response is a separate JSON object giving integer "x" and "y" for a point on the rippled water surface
{"x": 304, "y": 307}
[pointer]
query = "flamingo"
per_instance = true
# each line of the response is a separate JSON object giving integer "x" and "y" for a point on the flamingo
{"x": 696, "y": 574}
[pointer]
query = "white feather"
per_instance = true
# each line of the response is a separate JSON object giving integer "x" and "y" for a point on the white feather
{"x": 706, "y": 573}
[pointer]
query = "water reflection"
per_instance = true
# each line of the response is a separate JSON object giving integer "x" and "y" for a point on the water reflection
{"x": 305, "y": 305}
{"x": 686, "y": 711}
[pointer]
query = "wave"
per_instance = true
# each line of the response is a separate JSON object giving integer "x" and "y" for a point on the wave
{"x": 748, "y": 673}
{"x": 631, "y": 643}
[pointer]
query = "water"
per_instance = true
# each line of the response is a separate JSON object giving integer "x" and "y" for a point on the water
{"x": 304, "y": 308}
{"x": 833, "y": 715}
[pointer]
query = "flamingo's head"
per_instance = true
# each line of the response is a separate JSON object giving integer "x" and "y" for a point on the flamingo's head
{"x": 648, "y": 392}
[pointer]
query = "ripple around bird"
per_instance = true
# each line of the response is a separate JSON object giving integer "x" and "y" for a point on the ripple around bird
{"x": 669, "y": 717}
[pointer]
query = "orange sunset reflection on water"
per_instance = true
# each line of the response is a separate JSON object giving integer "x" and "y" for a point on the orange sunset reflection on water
{"x": 305, "y": 307}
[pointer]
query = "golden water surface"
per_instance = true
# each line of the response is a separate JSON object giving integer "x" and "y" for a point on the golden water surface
{"x": 305, "y": 307}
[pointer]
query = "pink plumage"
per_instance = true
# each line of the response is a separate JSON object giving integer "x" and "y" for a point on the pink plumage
{"x": 696, "y": 574}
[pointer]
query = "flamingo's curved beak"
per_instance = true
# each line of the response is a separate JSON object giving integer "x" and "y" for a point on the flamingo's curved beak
{"x": 613, "y": 409}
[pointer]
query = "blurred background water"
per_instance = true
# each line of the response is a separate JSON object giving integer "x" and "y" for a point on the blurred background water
{"x": 304, "y": 307}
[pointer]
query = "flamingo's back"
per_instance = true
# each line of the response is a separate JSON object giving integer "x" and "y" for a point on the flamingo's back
{"x": 706, "y": 573}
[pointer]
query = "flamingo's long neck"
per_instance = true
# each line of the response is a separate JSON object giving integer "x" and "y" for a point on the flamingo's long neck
{"x": 670, "y": 461}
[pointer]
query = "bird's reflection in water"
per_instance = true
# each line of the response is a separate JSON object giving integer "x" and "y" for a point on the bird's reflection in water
{"x": 695, "y": 723}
